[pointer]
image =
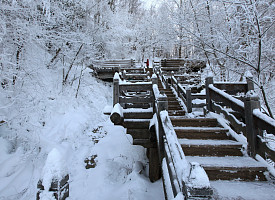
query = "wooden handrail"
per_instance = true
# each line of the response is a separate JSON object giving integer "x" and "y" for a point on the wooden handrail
{"x": 171, "y": 154}
{"x": 255, "y": 121}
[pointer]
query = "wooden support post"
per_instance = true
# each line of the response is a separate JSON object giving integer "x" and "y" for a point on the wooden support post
{"x": 250, "y": 84}
{"x": 172, "y": 75}
{"x": 124, "y": 74}
{"x": 189, "y": 99}
{"x": 178, "y": 87}
{"x": 154, "y": 79}
{"x": 116, "y": 89}
{"x": 208, "y": 81}
{"x": 166, "y": 83}
{"x": 154, "y": 165}
{"x": 251, "y": 102}
{"x": 148, "y": 75}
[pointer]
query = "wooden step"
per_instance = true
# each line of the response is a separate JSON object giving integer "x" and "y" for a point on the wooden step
{"x": 173, "y": 103}
{"x": 194, "y": 122}
{"x": 139, "y": 133}
{"x": 238, "y": 190}
{"x": 170, "y": 95}
{"x": 203, "y": 133}
{"x": 138, "y": 113}
{"x": 231, "y": 168}
{"x": 176, "y": 112}
{"x": 169, "y": 92}
{"x": 217, "y": 148}
{"x": 174, "y": 107}
{"x": 136, "y": 123}
{"x": 172, "y": 99}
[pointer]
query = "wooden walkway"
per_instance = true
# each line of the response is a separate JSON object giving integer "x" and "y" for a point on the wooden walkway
{"x": 155, "y": 111}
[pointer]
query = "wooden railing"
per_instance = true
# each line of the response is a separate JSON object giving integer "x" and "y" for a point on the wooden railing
{"x": 186, "y": 93}
{"x": 254, "y": 121}
{"x": 129, "y": 94}
{"x": 184, "y": 65}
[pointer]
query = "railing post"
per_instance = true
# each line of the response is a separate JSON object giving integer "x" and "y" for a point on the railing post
{"x": 124, "y": 74}
{"x": 208, "y": 81}
{"x": 251, "y": 102}
{"x": 166, "y": 83}
{"x": 116, "y": 89}
{"x": 250, "y": 84}
{"x": 189, "y": 99}
{"x": 162, "y": 105}
{"x": 148, "y": 75}
{"x": 178, "y": 87}
{"x": 154, "y": 79}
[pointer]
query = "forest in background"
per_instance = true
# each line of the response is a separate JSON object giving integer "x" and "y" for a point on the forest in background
{"x": 231, "y": 36}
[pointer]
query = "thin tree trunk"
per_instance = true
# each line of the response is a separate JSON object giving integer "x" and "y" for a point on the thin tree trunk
{"x": 79, "y": 81}
{"x": 66, "y": 77}
{"x": 57, "y": 53}
{"x": 266, "y": 102}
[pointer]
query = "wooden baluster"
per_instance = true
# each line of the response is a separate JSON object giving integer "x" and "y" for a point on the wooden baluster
{"x": 250, "y": 84}
{"x": 208, "y": 81}
{"x": 189, "y": 99}
{"x": 251, "y": 102}
{"x": 116, "y": 89}
{"x": 154, "y": 79}
{"x": 172, "y": 76}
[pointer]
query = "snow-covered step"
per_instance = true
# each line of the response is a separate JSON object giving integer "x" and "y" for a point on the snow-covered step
{"x": 211, "y": 147}
{"x": 243, "y": 190}
{"x": 176, "y": 112}
{"x": 174, "y": 107}
{"x": 213, "y": 133}
{"x": 231, "y": 168}
{"x": 173, "y": 103}
{"x": 194, "y": 122}
{"x": 171, "y": 99}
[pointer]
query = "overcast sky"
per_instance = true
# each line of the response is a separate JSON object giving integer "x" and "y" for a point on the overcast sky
{"x": 148, "y": 3}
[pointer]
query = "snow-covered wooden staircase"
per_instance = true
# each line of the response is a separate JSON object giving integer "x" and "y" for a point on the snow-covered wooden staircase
{"x": 202, "y": 139}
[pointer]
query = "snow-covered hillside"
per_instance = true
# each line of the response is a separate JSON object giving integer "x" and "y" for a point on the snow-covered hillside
{"x": 43, "y": 116}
